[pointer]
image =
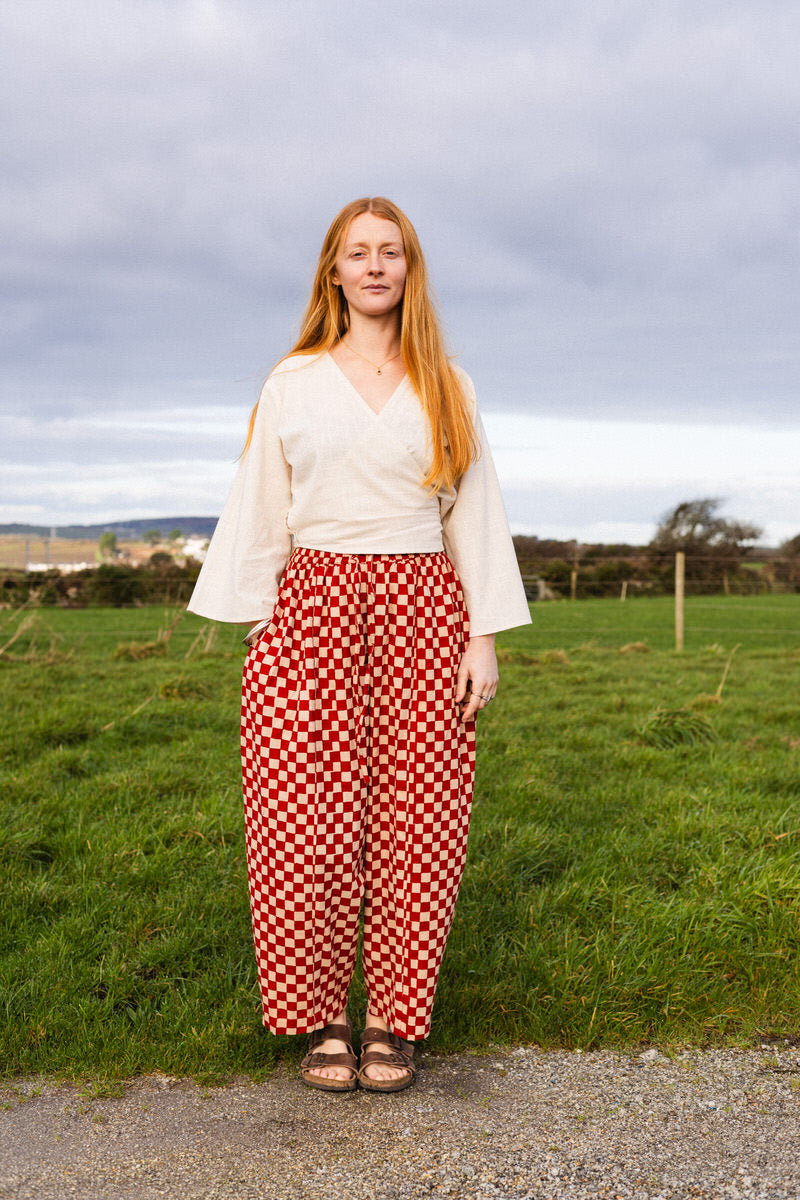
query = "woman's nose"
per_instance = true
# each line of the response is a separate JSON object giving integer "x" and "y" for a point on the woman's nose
{"x": 375, "y": 264}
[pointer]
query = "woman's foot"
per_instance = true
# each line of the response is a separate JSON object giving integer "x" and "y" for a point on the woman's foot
{"x": 386, "y": 1060}
{"x": 330, "y": 1064}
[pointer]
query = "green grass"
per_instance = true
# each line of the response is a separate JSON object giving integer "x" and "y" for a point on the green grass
{"x": 757, "y": 622}
{"x": 617, "y": 892}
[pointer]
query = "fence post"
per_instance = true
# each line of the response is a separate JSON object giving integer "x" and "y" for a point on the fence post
{"x": 573, "y": 584}
{"x": 680, "y": 576}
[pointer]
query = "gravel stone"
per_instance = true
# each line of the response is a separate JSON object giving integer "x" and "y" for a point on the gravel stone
{"x": 512, "y": 1125}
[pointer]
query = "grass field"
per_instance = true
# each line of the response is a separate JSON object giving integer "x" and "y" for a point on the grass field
{"x": 13, "y": 550}
{"x": 16, "y": 551}
{"x": 634, "y": 866}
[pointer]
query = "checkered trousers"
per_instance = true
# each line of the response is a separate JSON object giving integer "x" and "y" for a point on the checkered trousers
{"x": 357, "y": 785}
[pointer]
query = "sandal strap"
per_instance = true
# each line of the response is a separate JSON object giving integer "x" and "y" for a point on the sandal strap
{"x": 329, "y": 1060}
{"x": 382, "y": 1036}
{"x": 341, "y": 1033}
{"x": 396, "y": 1058}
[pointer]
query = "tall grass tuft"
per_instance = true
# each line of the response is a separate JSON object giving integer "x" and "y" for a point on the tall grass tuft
{"x": 135, "y": 651}
{"x": 670, "y": 727}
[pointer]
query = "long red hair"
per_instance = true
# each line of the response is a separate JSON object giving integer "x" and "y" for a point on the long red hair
{"x": 453, "y": 442}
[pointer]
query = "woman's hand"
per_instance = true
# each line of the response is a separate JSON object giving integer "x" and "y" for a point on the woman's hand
{"x": 476, "y": 682}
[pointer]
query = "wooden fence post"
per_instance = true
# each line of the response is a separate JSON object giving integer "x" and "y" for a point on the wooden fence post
{"x": 680, "y": 577}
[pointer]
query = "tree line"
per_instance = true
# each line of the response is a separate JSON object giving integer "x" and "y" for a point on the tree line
{"x": 719, "y": 557}
{"x": 115, "y": 585}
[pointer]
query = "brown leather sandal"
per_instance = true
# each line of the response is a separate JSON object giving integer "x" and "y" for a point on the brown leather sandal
{"x": 315, "y": 1059}
{"x": 401, "y": 1055}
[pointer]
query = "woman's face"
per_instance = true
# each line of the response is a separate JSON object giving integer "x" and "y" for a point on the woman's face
{"x": 371, "y": 265}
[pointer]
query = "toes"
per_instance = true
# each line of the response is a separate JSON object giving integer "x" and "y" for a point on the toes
{"x": 385, "y": 1074}
{"x": 331, "y": 1073}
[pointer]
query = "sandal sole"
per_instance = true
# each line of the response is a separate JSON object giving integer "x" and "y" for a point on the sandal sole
{"x": 397, "y": 1085}
{"x": 330, "y": 1085}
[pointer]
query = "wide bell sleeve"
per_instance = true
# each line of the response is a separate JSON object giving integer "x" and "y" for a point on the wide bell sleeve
{"x": 246, "y": 558}
{"x": 477, "y": 540}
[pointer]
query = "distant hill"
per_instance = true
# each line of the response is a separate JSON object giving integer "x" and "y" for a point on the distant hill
{"x": 125, "y": 530}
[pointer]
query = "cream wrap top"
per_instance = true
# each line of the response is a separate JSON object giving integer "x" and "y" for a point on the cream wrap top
{"x": 326, "y": 472}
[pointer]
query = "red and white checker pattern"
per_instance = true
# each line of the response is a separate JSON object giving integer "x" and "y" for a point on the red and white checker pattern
{"x": 357, "y": 785}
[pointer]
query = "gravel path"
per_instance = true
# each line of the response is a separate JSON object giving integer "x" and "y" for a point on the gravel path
{"x": 516, "y": 1124}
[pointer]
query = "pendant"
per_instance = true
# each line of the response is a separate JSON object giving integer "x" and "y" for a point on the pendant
{"x": 379, "y": 370}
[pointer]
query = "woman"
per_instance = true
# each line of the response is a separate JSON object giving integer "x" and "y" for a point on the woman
{"x": 366, "y": 542}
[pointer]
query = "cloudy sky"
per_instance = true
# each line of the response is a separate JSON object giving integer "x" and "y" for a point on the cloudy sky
{"x": 607, "y": 192}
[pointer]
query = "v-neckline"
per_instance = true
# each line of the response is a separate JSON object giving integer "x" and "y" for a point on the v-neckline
{"x": 374, "y": 412}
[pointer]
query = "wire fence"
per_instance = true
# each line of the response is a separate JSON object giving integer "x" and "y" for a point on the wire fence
{"x": 680, "y": 615}
{"x": 625, "y": 576}
{"x": 609, "y": 599}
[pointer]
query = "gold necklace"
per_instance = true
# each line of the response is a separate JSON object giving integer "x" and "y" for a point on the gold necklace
{"x": 378, "y": 369}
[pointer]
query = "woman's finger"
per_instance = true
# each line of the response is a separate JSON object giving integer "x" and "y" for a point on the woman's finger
{"x": 478, "y": 699}
{"x": 462, "y": 683}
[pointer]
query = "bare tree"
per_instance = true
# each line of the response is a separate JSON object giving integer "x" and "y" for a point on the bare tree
{"x": 714, "y": 546}
{"x": 787, "y": 569}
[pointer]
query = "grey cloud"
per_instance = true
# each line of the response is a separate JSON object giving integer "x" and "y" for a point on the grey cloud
{"x": 608, "y": 195}
{"x": 614, "y": 514}
{"x": 124, "y": 437}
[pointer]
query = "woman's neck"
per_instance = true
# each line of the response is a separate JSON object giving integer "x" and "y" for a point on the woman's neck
{"x": 376, "y": 338}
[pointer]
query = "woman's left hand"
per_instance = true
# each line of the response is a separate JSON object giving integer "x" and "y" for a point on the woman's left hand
{"x": 476, "y": 682}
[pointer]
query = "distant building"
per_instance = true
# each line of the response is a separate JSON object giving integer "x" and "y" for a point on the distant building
{"x": 62, "y": 568}
{"x": 195, "y": 547}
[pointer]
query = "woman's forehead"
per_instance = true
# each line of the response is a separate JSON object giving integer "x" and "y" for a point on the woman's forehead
{"x": 369, "y": 227}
